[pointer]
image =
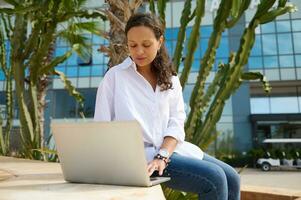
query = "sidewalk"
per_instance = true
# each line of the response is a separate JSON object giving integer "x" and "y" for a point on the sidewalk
{"x": 257, "y": 184}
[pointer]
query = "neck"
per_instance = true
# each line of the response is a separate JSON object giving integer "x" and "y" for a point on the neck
{"x": 144, "y": 69}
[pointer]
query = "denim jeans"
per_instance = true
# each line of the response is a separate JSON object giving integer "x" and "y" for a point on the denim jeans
{"x": 210, "y": 178}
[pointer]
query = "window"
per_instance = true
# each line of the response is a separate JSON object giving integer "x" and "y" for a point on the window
{"x": 97, "y": 40}
{"x": 72, "y": 60}
{"x": 297, "y": 43}
{"x": 169, "y": 48}
{"x": 284, "y": 105}
{"x": 72, "y": 71}
{"x": 223, "y": 49}
{"x": 298, "y": 60}
{"x": 97, "y": 56}
{"x": 2, "y": 77}
{"x": 255, "y": 63}
{"x": 97, "y": 70}
{"x": 270, "y": 61}
{"x": 256, "y": 50}
{"x": 206, "y": 31}
{"x": 269, "y": 44}
{"x": 283, "y": 26}
{"x": 285, "y": 43}
{"x": 204, "y": 45}
{"x": 296, "y": 25}
{"x": 268, "y": 28}
{"x": 84, "y": 71}
{"x": 260, "y": 105}
{"x": 286, "y": 61}
{"x": 61, "y": 69}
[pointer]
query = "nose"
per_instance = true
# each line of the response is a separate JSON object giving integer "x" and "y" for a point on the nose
{"x": 140, "y": 51}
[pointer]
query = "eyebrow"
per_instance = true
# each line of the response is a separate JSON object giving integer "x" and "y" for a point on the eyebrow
{"x": 142, "y": 41}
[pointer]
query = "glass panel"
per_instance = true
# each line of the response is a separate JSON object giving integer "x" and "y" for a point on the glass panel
{"x": 84, "y": 71}
{"x": 284, "y": 105}
{"x": 223, "y": 50}
{"x": 255, "y": 63}
{"x": 256, "y": 50}
{"x": 61, "y": 69}
{"x": 195, "y": 65}
{"x": 171, "y": 33}
{"x": 97, "y": 70}
{"x": 269, "y": 44}
{"x": 97, "y": 57}
{"x": 2, "y": 77}
{"x": 298, "y": 60}
{"x": 187, "y": 92}
{"x": 65, "y": 105}
{"x": 296, "y": 25}
{"x": 270, "y": 61}
{"x": 188, "y": 31}
{"x": 228, "y": 107}
{"x": 72, "y": 60}
{"x": 297, "y": 43}
{"x": 285, "y": 43}
{"x": 169, "y": 48}
{"x": 204, "y": 45}
{"x": 286, "y": 61}
{"x": 283, "y": 26}
{"x": 206, "y": 31}
{"x": 97, "y": 39}
{"x": 72, "y": 71}
{"x": 168, "y": 34}
{"x": 259, "y": 105}
{"x": 268, "y": 28}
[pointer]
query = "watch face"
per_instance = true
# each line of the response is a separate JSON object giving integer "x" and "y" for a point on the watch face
{"x": 164, "y": 153}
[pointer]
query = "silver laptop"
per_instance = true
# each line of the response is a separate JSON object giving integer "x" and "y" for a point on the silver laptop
{"x": 103, "y": 153}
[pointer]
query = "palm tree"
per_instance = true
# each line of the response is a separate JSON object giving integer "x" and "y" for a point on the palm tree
{"x": 32, "y": 39}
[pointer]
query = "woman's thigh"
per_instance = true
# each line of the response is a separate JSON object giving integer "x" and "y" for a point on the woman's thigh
{"x": 197, "y": 176}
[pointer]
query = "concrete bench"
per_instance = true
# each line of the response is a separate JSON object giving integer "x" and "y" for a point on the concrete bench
{"x": 27, "y": 180}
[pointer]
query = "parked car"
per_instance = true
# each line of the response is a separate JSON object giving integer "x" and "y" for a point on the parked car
{"x": 286, "y": 162}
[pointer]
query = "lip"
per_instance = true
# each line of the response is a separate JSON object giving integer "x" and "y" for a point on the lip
{"x": 142, "y": 58}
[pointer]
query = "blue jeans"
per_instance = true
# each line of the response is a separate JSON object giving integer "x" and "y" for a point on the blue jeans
{"x": 210, "y": 178}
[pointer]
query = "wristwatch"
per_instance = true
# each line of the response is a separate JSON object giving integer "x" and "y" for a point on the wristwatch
{"x": 164, "y": 153}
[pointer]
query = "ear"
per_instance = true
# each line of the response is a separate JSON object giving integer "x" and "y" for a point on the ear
{"x": 161, "y": 40}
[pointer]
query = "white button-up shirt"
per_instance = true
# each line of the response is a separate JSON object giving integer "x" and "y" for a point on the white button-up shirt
{"x": 124, "y": 94}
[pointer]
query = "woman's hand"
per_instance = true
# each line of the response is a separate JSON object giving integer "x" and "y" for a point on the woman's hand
{"x": 156, "y": 165}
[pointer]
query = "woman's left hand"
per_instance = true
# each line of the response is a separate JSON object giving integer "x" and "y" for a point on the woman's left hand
{"x": 156, "y": 165}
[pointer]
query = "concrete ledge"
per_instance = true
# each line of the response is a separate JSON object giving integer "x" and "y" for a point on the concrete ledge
{"x": 267, "y": 193}
{"x": 27, "y": 180}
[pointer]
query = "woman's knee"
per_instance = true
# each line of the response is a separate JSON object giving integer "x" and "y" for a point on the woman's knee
{"x": 232, "y": 176}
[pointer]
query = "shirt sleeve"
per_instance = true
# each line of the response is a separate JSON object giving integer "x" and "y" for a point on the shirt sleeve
{"x": 104, "y": 105}
{"x": 177, "y": 115}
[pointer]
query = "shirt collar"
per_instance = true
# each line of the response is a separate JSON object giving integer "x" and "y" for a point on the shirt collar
{"x": 128, "y": 62}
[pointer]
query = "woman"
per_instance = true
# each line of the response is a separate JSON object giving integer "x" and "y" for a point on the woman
{"x": 144, "y": 87}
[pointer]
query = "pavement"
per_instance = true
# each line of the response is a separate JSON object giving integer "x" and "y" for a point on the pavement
{"x": 275, "y": 184}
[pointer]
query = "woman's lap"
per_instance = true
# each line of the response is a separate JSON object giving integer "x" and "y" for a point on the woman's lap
{"x": 210, "y": 178}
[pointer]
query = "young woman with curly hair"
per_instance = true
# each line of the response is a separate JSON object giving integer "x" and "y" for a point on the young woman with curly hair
{"x": 145, "y": 87}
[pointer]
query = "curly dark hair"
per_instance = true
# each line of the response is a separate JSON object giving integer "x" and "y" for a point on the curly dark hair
{"x": 161, "y": 65}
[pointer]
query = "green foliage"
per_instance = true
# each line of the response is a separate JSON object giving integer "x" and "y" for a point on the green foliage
{"x": 37, "y": 25}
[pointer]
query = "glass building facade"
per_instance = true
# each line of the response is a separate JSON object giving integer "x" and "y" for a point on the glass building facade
{"x": 249, "y": 116}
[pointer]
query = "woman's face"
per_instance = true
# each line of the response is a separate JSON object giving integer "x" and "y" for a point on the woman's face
{"x": 143, "y": 45}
